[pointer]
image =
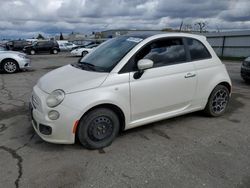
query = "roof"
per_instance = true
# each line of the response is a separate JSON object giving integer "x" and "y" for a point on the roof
{"x": 166, "y": 34}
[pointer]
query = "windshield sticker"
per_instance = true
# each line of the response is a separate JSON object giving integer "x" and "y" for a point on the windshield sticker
{"x": 133, "y": 39}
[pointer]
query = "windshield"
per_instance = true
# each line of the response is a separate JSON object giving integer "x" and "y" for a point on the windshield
{"x": 2, "y": 48}
{"x": 91, "y": 46}
{"x": 107, "y": 55}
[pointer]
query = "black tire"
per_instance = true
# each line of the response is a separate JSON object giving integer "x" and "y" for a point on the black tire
{"x": 84, "y": 53}
{"x": 32, "y": 52}
{"x": 98, "y": 128}
{"x": 246, "y": 80}
{"x": 10, "y": 66}
{"x": 217, "y": 101}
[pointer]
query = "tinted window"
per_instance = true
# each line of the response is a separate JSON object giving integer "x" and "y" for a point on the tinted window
{"x": 197, "y": 50}
{"x": 164, "y": 52}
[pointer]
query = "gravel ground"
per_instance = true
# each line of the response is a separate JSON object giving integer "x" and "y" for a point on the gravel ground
{"x": 187, "y": 151}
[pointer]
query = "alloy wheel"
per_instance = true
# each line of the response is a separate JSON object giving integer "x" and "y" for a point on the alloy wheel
{"x": 220, "y": 101}
{"x": 10, "y": 66}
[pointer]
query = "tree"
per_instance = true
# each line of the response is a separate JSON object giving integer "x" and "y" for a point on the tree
{"x": 167, "y": 29}
{"x": 61, "y": 36}
{"x": 188, "y": 27}
{"x": 40, "y": 37}
{"x": 181, "y": 26}
{"x": 201, "y": 26}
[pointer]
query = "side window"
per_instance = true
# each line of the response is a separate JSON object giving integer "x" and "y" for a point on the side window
{"x": 164, "y": 52}
{"x": 40, "y": 44}
{"x": 197, "y": 50}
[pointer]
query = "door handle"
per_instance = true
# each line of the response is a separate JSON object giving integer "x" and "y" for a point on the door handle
{"x": 190, "y": 75}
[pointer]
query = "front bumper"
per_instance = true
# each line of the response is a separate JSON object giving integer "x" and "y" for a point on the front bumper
{"x": 24, "y": 63}
{"x": 61, "y": 129}
{"x": 245, "y": 72}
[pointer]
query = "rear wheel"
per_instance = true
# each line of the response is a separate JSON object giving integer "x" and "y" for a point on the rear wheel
{"x": 246, "y": 80}
{"x": 84, "y": 53}
{"x": 10, "y": 66}
{"x": 32, "y": 52}
{"x": 98, "y": 128}
{"x": 218, "y": 101}
{"x": 55, "y": 51}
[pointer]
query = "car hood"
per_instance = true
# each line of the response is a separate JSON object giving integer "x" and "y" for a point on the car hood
{"x": 12, "y": 52}
{"x": 71, "y": 79}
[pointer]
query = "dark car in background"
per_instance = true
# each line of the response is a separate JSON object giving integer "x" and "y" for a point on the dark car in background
{"x": 245, "y": 70}
{"x": 42, "y": 47}
{"x": 17, "y": 45}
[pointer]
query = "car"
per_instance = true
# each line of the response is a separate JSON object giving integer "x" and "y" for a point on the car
{"x": 65, "y": 45}
{"x": 126, "y": 82}
{"x": 17, "y": 45}
{"x": 87, "y": 43}
{"x": 245, "y": 70}
{"x": 84, "y": 51}
{"x": 42, "y": 47}
{"x": 2, "y": 48}
{"x": 11, "y": 61}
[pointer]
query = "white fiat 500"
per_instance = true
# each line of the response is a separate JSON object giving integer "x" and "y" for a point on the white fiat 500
{"x": 127, "y": 82}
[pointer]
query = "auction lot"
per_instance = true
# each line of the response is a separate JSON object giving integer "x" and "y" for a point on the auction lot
{"x": 187, "y": 151}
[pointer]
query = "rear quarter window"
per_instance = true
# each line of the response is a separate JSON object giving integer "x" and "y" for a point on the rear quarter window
{"x": 197, "y": 50}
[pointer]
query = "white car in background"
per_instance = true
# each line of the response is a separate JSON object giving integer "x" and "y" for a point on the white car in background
{"x": 84, "y": 51}
{"x": 11, "y": 61}
{"x": 65, "y": 45}
{"x": 127, "y": 82}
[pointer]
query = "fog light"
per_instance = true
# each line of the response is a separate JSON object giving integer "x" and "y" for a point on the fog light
{"x": 53, "y": 115}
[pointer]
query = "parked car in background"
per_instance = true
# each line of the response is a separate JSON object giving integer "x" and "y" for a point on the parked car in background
{"x": 17, "y": 45}
{"x": 245, "y": 70}
{"x": 3, "y": 48}
{"x": 87, "y": 43}
{"x": 65, "y": 45}
{"x": 11, "y": 61}
{"x": 42, "y": 47}
{"x": 127, "y": 82}
{"x": 84, "y": 51}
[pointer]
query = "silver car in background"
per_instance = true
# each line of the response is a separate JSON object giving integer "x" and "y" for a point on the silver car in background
{"x": 11, "y": 62}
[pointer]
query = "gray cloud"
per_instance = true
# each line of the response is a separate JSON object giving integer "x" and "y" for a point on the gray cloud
{"x": 25, "y": 18}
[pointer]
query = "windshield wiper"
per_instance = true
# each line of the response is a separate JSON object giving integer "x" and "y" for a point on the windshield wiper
{"x": 88, "y": 65}
{"x": 91, "y": 67}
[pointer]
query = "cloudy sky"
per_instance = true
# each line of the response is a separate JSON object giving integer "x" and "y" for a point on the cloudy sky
{"x": 26, "y": 18}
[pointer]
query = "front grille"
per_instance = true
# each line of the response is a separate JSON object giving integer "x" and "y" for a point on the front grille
{"x": 36, "y": 102}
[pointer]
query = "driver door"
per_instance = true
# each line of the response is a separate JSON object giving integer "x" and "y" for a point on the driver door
{"x": 168, "y": 86}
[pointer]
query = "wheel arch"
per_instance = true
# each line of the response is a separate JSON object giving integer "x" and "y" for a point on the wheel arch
{"x": 224, "y": 83}
{"x": 227, "y": 85}
{"x": 112, "y": 107}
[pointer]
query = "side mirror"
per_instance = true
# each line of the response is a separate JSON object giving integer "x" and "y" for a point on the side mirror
{"x": 144, "y": 64}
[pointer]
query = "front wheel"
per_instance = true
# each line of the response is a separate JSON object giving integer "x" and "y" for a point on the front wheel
{"x": 10, "y": 66}
{"x": 217, "y": 102}
{"x": 98, "y": 128}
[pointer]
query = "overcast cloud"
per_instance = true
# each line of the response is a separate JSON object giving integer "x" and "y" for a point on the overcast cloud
{"x": 27, "y": 18}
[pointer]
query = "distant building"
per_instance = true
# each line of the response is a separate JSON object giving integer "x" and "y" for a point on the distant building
{"x": 117, "y": 32}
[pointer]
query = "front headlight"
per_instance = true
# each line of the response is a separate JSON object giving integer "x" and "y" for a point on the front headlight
{"x": 55, "y": 98}
{"x": 22, "y": 56}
